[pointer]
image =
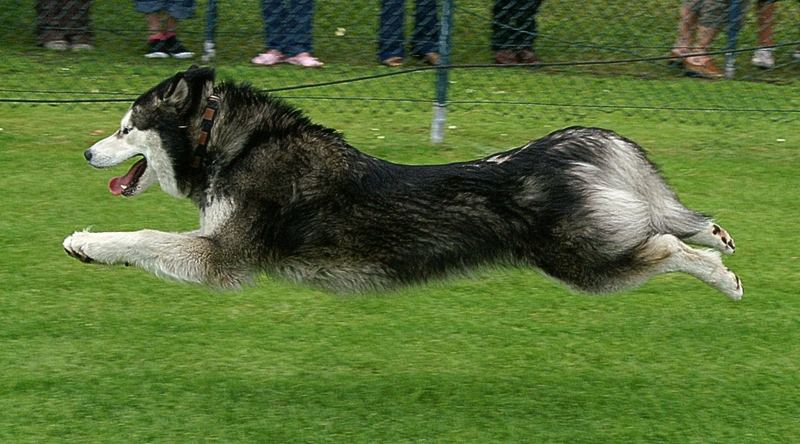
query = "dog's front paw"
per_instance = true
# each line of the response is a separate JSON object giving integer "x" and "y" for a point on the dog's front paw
{"x": 77, "y": 246}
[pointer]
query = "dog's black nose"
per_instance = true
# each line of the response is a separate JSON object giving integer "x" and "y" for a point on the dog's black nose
{"x": 87, "y": 154}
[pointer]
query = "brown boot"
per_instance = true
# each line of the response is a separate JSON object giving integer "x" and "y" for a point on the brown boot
{"x": 431, "y": 58}
{"x": 527, "y": 56}
{"x": 505, "y": 57}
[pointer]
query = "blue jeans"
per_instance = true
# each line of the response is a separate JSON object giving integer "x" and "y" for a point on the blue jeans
{"x": 288, "y": 27}
{"x": 424, "y": 39}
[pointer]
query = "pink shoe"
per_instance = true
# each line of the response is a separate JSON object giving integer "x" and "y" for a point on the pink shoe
{"x": 269, "y": 58}
{"x": 305, "y": 60}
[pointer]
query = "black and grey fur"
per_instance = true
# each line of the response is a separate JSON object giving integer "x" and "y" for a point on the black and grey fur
{"x": 280, "y": 194}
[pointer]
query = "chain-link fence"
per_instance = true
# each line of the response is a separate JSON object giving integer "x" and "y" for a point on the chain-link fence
{"x": 561, "y": 62}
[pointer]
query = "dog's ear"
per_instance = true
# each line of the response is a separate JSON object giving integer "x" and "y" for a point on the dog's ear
{"x": 177, "y": 92}
{"x": 189, "y": 88}
{"x": 201, "y": 79}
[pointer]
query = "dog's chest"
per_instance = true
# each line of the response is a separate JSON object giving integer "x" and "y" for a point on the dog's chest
{"x": 215, "y": 213}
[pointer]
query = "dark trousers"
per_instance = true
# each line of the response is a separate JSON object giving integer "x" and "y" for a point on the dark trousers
{"x": 287, "y": 25}
{"x": 391, "y": 39}
{"x": 514, "y": 24}
{"x": 63, "y": 20}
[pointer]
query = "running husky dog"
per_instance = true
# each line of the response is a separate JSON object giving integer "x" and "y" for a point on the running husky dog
{"x": 280, "y": 194}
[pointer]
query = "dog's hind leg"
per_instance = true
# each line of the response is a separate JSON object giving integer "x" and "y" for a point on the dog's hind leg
{"x": 669, "y": 216}
{"x": 665, "y": 253}
{"x": 185, "y": 257}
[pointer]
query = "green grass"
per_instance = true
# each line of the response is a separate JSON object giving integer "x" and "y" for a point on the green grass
{"x": 112, "y": 354}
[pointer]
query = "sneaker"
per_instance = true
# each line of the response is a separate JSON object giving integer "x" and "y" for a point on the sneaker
{"x": 305, "y": 60}
{"x": 56, "y": 45}
{"x": 176, "y": 49}
{"x": 763, "y": 58}
{"x": 156, "y": 49}
{"x": 81, "y": 47}
{"x": 269, "y": 58}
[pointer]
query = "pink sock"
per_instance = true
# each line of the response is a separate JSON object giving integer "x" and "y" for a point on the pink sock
{"x": 156, "y": 37}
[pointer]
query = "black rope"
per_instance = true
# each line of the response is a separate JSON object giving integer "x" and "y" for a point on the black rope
{"x": 400, "y": 72}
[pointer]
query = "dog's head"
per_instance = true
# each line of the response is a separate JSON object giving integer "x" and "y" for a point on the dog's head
{"x": 159, "y": 127}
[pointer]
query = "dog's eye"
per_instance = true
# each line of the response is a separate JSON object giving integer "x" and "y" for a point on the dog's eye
{"x": 126, "y": 130}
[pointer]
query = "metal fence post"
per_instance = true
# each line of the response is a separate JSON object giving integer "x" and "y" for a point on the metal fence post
{"x": 734, "y": 25}
{"x": 442, "y": 73}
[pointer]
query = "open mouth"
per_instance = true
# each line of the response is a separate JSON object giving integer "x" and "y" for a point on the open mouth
{"x": 126, "y": 185}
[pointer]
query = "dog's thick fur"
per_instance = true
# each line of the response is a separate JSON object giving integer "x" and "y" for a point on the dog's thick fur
{"x": 280, "y": 194}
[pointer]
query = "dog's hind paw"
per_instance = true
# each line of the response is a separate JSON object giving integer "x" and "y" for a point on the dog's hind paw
{"x": 715, "y": 237}
{"x": 725, "y": 241}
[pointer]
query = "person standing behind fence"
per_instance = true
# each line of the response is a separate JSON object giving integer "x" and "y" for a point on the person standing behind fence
{"x": 514, "y": 31}
{"x": 391, "y": 35}
{"x": 765, "y": 20}
{"x": 63, "y": 24}
{"x": 162, "y": 23}
{"x": 287, "y": 29}
{"x": 701, "y": 19}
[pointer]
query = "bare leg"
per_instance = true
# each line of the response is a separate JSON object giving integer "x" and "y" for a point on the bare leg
{"x": 705, "y": 35}
{"x": 687, "y": 23}
{"x": 766, "y": 22}
{"x": 172, "y": 24}
{"x": 154, "y": 25}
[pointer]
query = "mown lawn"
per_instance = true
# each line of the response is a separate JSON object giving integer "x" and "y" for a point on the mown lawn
{"x": 102, "y": 354}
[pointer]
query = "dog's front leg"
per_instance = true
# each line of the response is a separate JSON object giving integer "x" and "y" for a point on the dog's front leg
{"x": 185, "y": 257}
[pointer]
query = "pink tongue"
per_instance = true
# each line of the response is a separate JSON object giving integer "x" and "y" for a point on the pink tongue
{"x": 116, "y": 183}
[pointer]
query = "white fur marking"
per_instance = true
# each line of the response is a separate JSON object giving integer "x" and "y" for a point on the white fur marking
{"x": 499, "y": 158}
{"x": 216, "y": 213}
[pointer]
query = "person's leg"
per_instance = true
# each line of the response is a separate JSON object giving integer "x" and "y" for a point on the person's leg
{"x": 766, "y": 23}
{"x": 49, "y": 27}
{"x": 298, "y": 27}
{"x": 686, "y": 25}
{"x": 274, "y": 14}
{"x": 178, "y": 10}
{"x": 765, "y": 19}
{"x": 81, "y": 34}
{"x": 425, "y": 38}
{"x": 712, "y": 16}
{"x": 525, "y": 23}
{"x": 528, "y": 32}
{"x": 299, "y": 34}
{"x": 701, "y": 64}
{"x": 502, "y": 30}
{"x": 156, "y": 38}
{"x": 390, "y": 30}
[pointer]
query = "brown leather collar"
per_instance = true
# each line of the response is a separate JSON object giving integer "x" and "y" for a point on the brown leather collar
{"x": 212, "y": 106}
